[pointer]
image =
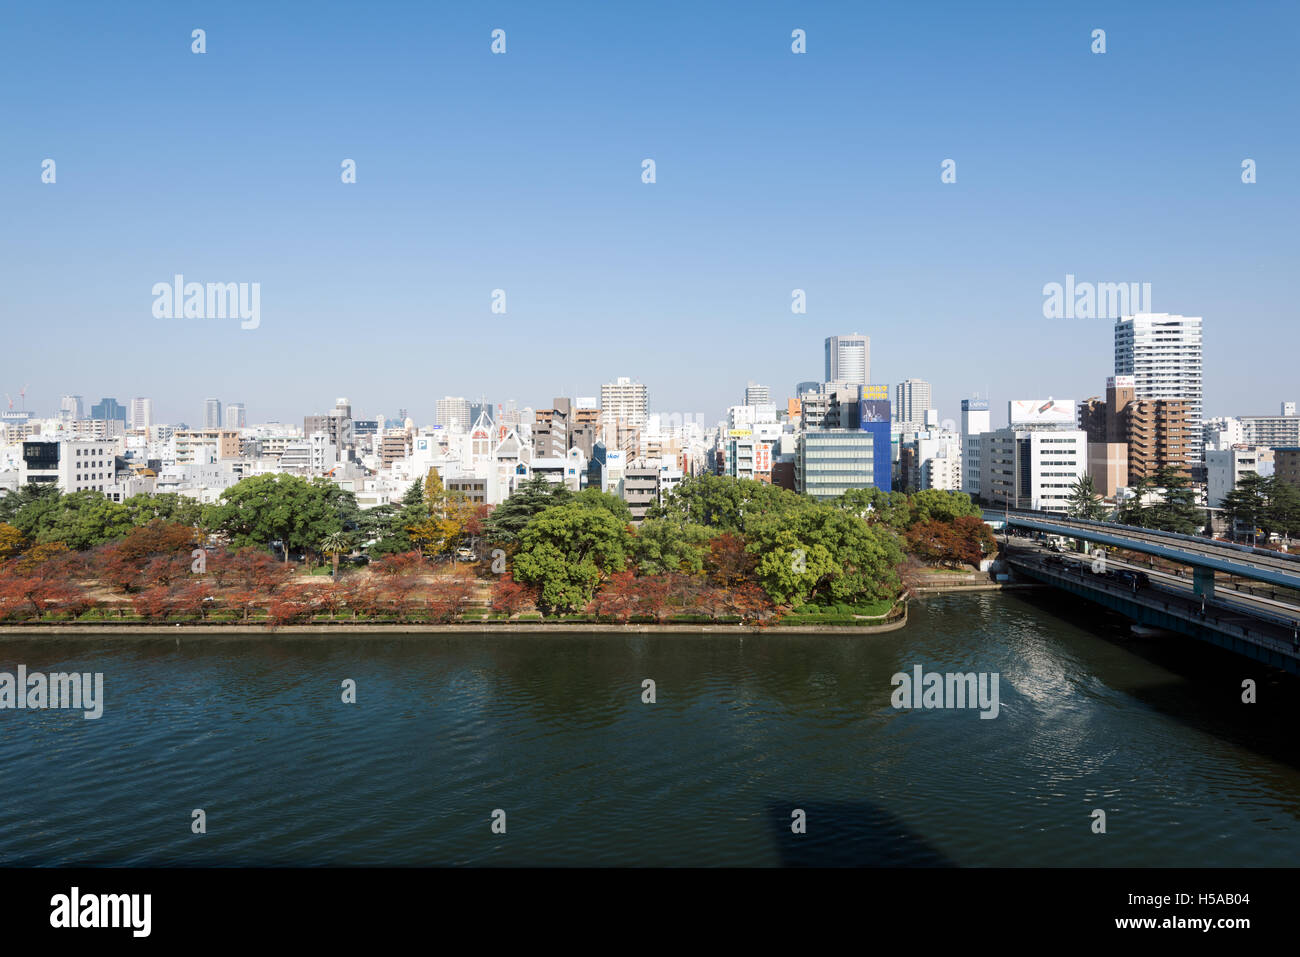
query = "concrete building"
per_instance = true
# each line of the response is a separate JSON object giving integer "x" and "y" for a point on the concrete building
{"x": 452, "y": 412}
{"x": 1108, "y": 467}
{"x": 212, "y": 414}
{"x": 848, "y": 359}
{"x": 1271, "y": 430}
{"x": 975, "y": 421}
{"x": 225, "y": 442}
{"x": 931, "y": 458}
{"x": 1156, "y": 433}
{"x": 1032, "y": 468}
{"x": 98, "y": 429}
{"x": 757, "y": 394}
{"x": 624, "y": 402}
{"x": 70, "y": 408}
{"x": 236, "y": 416}
{"x": 1224, "y": 469}
{"x": 73, "y": 465}
{"x": 1286, "y": 465}
{"x": 1162, "y": 352}
{"x": 141, "y": 413}
{"x": 336, "y": 424}
{"x": 912, "y": 401}
{"x": 639, "y": 488}
{"x": 829, "y": 462}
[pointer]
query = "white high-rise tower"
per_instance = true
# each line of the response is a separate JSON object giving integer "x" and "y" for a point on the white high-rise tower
{"x": 1162, "y": 353}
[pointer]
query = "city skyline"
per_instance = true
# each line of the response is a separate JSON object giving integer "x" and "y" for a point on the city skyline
{"x": 792, "y": 173}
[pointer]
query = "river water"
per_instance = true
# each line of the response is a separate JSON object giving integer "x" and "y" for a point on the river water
{"x": 551, "y": 729}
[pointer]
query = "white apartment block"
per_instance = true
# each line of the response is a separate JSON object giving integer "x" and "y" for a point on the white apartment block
{"x": 624, "y": 401}
{"x": 1224, "y": 468}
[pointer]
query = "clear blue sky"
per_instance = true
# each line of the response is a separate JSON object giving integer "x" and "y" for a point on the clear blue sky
{"x": 522, "y": 172}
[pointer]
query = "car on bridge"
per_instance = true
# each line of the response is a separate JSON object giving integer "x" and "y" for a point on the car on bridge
{"x": 1133, "y": 579}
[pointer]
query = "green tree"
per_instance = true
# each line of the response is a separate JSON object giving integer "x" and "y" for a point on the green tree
{"x": 165, "y": 506}
{"x": 876, "y": 505}
{"x": 80, "y": 520}
{"x": 1084, "y": 501}
{"x": 670, "y": 545}
{"x": 818, "y": 553}
{"x": 1248, "y": 503}
{"x": 940, "y": 505}
{"x": 567, "y": 551}
{"x": 11, "y": 503}
{"x": 333, "y": 545}
{"x": 1177, "y": 511}
{"x": 266, "y": 509}
{"x": 595, "y": 498}
{"x": 724, "y": 503}
{"x": 1284, "y": 507}
{"x": 1133, "y": 510}
{"x": 533, "y": 496}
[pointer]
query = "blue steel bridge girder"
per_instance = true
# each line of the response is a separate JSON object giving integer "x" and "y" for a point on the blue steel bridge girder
{"x": 1198, "y": 561}
{"x": 1203, "y": 581}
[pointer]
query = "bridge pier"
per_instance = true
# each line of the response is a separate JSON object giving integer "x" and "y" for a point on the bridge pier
{"x": 1203, "y": 581}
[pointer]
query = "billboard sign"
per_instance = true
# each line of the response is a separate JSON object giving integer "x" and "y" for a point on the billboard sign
{"x": 1042, "y": 412}
{"x": 874, "y": 410}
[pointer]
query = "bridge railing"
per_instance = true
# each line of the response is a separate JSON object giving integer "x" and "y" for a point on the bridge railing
{"x": 1185, "y": 607}
{"x": 1130, "y": 529}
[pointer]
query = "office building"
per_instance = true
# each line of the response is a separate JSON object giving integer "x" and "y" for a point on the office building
{"x": 912, "y": 401}
{"x": 236, "y": 416}
{"x": 452, "y": 413}
{"x": 848, "y": 359}
{"x": 141, "y": 413}
{"x": 975, "y": 421}
{"x": 1034, "y": 468}
{"x": 70, "y": 408}
{"x": 109, "y": 409}
{"x": 212, "y": 414}
{"x": 757, "y": 394}
{"x": 829, "y": 462}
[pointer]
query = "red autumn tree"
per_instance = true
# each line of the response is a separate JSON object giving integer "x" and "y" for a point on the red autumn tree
{"x": 449, "y": 598}
{"x": 45, "y": 579}
{"x": 256, "y": 569}
{"x": 510, "y": 597}
{"x": 618, "y": 598}
{"x": 190, "y": 599}
{"x": 244, "y": 600}
{"x": 153, "y": 603}
{"x": 290, "y": 604}
{"x": 728, "y": 563}
{"x": 402, "y": 563}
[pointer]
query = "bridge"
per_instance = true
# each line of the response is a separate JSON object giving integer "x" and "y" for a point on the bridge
{"x": 1224, "y": 613}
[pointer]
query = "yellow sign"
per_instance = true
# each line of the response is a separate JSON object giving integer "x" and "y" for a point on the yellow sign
{"x": 739, "y": 432}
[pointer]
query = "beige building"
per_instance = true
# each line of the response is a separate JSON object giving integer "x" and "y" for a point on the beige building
{"x": 188, "y": 441}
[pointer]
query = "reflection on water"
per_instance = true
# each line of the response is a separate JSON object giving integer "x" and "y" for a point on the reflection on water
{"x": 552, "y": 730}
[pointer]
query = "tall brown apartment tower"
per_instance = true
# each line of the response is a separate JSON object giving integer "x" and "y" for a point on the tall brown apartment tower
{"x": 1156, "y": 432}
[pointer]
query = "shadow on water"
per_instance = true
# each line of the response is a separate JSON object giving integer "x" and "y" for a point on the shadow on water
{"x": 848, "y": 834}
{"x": 1203, "y": 690}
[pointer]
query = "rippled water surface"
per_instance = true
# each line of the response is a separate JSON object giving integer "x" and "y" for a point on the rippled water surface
{"x": 551, "y": 729}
